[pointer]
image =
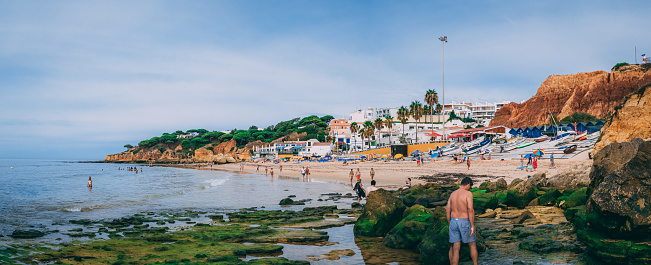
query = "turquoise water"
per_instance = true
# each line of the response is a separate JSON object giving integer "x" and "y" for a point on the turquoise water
{"x": 39, "y": 193}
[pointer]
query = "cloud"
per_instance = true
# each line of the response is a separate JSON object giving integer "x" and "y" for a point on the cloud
{"x": 95, "y": 76}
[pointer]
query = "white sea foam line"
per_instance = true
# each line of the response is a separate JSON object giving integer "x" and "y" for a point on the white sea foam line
{"x": 217, "y": 182}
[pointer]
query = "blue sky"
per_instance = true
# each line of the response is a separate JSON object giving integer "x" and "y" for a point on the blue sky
{"x": 79, "y": 79}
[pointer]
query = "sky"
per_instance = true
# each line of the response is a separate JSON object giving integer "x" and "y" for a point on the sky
{"x": 80, "y": 79}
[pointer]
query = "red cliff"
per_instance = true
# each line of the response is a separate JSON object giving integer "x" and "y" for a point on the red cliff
{"x": 595, "y": 93}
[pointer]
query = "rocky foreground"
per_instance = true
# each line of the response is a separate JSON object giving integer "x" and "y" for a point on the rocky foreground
{"x": 605, "y": 217}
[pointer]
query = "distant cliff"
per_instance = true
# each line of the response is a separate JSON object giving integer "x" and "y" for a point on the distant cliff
{"x": 226, "y": 152}
{"x": 631, "y": 119}
{"x": 595, "y": 93}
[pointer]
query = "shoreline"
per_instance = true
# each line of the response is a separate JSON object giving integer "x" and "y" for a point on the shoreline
{"x": 392, "y": 175}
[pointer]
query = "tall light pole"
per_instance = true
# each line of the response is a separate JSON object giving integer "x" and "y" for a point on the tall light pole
{"x": 444, "y": 39}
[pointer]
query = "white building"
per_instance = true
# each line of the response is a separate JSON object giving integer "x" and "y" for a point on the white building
{"x": 294, "y": 148}
{"x": 370, "y": 114}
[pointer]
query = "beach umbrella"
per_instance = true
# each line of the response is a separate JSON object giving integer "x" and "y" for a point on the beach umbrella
{"x": 528, "y": 156}
{"x": 487, "y": 151}
{"x": 539, "y": 152}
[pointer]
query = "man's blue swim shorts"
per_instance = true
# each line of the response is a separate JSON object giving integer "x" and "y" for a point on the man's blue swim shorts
{"x": 460, "y": 231}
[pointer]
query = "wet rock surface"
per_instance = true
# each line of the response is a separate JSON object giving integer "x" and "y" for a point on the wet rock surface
{"x": 381, "y": 213}
{"x": 621, "y": 189}
{"x": 572, "y": 178}
{"x": 409, "y": 231}
{"x": 616, "y": 222}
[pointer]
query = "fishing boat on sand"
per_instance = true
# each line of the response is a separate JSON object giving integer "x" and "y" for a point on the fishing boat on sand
{"x": 570, "y": 149}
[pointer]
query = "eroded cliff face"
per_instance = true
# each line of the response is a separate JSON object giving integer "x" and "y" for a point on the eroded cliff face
{"x": 226, "y": 152}
{"x": 632, "y": 119}
{"x": 595, "y": 93}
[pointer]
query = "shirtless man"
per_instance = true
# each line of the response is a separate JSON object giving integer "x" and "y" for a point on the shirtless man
{"x": 372, "y": 173}
{"x": 461, "y": 217}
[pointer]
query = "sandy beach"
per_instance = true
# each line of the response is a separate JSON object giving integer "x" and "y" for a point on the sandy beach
{"x": 394, "y": 173}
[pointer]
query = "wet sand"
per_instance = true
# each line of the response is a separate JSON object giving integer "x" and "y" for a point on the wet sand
{"x": 394, "y": 173}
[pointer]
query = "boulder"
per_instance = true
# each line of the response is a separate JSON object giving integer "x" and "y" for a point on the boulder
{"x": 381, "y": 213}
{"x": 620, "y": 190}
{"x": 615, "y": 251}
{"x": 493, "y": 186}
{"x": 482, "y": 201}
{"x": 513, "y": 183}
{"x": 523, "y": 217}
{"x": 490, "y": 214}
{"x": 539, "y": 179}
{"x": 520, "y": 194}
{"x": 289, "y": 201}
{"x": 435, "y": 244}
{"x": 549, "y": 198}
{"x": 575, "y": 199}
{"x": 573, "y": 178}
{"x": 409, "y": 231}
{"x": 32, "y": 233}
{"x": 424, "y": 195}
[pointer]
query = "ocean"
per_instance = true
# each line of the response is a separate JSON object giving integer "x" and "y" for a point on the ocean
{"x": 38, "y": 193}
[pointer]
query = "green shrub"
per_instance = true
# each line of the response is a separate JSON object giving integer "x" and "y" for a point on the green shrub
{"x": 617, "y": 66}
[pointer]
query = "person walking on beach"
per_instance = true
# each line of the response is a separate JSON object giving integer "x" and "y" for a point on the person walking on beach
{"x": 303, "y": 172}
{"x": 551, "y": 161}
{"x": 90, "y": 182}
{"x": 281, "y": 168}
{"x": 372, "y": 174}
{"x": 521, "y": 162}
{"x": 361, "y": 193}
{"x": 307, "y": 171}
{"x": 535, "y": 163}
{"x": 257, "y": 169}
{"x": 468, "y": 162}
{"x": 358, "y": 174}
{"x": 272, "y": 172}
{"x": 351, "y": 174}
{"x": 266, "y": 170}
{"x": 461, "y": 217}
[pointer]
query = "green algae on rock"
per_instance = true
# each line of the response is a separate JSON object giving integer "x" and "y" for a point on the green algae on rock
{"x": 435, "y": 244}
{"x": 381, "y": 213}
{"x": 520, "y": 194}
{"x": 410, "y": 230}
{"x": 202, "y": 244}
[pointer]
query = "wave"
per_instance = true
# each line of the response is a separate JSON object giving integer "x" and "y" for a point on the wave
{"x": 217, "y": 182}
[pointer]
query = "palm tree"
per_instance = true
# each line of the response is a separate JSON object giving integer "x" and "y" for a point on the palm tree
{"x": 388, "y": 122}
{"x": 426, "y": 110}
{"x": 416, "y": 111}
{"x": 369, "y": 128}
{"x": 432, "y": 99}
{"x": 378, "y": 126}
{"x": 354, "y": 128}
{"x": 403, "y": 114}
